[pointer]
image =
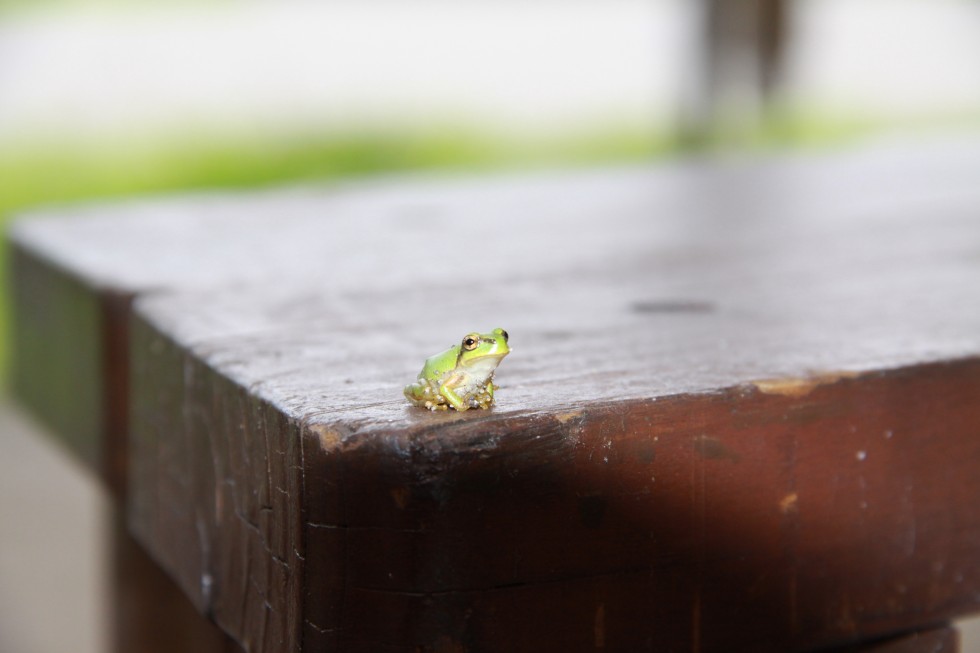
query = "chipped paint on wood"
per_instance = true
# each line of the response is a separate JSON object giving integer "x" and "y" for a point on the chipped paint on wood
{"x": 564, "y": 418}
{"x": 329, "y": 438}
{"x": 800, "y": 387}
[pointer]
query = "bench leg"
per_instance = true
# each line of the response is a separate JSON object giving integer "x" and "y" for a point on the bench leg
{"x": 149, "y": 612}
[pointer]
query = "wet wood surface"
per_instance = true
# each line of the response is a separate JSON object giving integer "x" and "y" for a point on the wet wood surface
{"x": 741, "y": 410}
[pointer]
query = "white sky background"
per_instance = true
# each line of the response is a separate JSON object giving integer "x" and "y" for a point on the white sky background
{"x": 546, "y": 65}
{"x": 886, "y": 57}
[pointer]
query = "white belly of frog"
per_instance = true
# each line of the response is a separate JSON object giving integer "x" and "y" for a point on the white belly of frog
{"x": 472, "y": 389}
{"x": 478, "y": 374}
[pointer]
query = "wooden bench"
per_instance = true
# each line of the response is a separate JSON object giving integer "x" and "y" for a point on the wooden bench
{"x": 741, "y": 413}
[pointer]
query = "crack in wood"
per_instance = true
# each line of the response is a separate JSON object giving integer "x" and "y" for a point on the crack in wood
{"x": 502, "y": 587}
{"x": 383, "y": 529}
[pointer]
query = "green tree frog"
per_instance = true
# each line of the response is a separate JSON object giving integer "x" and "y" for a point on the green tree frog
{"x": 462, "y": 376}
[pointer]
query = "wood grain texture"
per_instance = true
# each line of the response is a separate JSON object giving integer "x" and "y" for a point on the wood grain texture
{"x": 74, "y": 270}
{"x": 739, "y": 520}
{"x": 741, "y": 412}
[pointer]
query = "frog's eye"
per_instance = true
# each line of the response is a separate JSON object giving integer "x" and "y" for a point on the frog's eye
{"x": 470, "y": 342}
{"x": 504, "y": 334}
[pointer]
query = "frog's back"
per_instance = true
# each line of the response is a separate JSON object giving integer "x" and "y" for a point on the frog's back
{"x": 440, "y": 363}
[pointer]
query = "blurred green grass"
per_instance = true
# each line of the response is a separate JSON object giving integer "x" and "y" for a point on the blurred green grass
{"x": 56, "y": 172}
{"x": 46, "y": 171}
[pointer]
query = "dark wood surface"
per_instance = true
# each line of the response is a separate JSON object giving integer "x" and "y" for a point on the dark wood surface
{"x": 741, "y": 411}
{"x": 937, "y": 640}
{"x": 149, "y": 612}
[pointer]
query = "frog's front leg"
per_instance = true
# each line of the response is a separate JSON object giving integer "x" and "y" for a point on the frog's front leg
{"x": 447, "y": 391}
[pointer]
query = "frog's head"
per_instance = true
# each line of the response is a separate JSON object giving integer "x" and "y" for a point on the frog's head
{"x": 479, "y": 349}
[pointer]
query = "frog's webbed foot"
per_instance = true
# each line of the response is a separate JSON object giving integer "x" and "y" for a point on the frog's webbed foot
{"x": 483, "y": 398}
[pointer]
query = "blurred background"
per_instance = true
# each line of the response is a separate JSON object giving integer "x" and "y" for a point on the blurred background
{"x": 109, "y": 98}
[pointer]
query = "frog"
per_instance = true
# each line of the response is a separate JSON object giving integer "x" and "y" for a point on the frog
{"x": 461, "y": 377}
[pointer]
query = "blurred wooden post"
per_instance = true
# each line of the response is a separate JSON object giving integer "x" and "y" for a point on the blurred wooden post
{"x": 741, "y": 44}
{"x": 150, "y": 614}
{"x": 70, "y": 365}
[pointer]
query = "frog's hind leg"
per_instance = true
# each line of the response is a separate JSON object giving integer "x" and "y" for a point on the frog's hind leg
{"x": 424, "y": 395}
{"x": 414, "y": 392}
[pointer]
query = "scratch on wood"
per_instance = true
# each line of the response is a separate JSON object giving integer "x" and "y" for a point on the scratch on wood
{"x": 279, "y": 561}
{"x": 794, "y": 601}
{"x": 714, "y": 449}
{"x": 268, "y": 455}
{"x": 263, "y": 629}
{"x": 447, "y": 644}
{"x": 401, "y": 496}
{"x": 696, "y": 624}
{"x": 571, "y": 426}
{"x": 845, "y": 620}
{"x": 800, "y": 387}
{"x": 600, "y": 626}
{"x": 789, "y": 503}
{"x": 248, "y": 523}
{"x": 243, "y": 589}
{"x": 699, "y": 489}
{"x": 323, "y": 631}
